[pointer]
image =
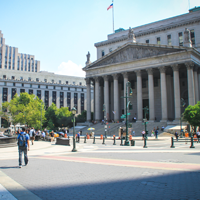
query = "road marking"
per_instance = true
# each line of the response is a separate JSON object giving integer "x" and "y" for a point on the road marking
{"x": 128, "y": 163}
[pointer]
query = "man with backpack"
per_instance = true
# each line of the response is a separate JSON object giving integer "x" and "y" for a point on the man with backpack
{"x": 23, "y": 143}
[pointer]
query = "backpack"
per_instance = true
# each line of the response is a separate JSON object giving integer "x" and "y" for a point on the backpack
{"x": 22, "y": 140}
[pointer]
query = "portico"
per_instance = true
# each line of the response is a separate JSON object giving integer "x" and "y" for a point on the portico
{"x": 160, "y": 76}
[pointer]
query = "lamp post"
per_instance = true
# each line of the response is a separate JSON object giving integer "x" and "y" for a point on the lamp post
{"x": 128, "y": 84}
{"x": 146, "y": 111}
{"x": 104, "y": 110}
{"x": 74, "y": 143}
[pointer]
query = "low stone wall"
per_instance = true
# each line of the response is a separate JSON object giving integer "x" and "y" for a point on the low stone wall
{"x": 63, "y": 141}
{"x": 7, "y": 140}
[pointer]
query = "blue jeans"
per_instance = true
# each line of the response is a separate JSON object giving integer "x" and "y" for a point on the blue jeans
{"x": 23, "y": 149}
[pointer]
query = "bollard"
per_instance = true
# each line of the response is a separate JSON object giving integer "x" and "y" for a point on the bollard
{"x": 172, "y": 143}
{"x": 103, "y": 140}
{"x": 94, "y": 141}
{"x": 121, "y": 141}
{"x": 145, "y": 142}
{"x": 132, "y": 142}
{"x": 114, "y": 141}
{"x": 85, "y": 140}
{"x": 192, "y": 143}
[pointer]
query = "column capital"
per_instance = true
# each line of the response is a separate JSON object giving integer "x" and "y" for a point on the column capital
{"x": 175, "y": 67}
{"x": 150, "y": 71}
{"x": 125, "y": 74}
{"x": 115, "y": 76}
{"x": 105, "y": 78}
{"x": 96, "y": 78}
{"x": 87, "y": 81}
{"x": 189, "y": 65}
{"x": 162, "y": 69}
{"x": 138, "y": 72}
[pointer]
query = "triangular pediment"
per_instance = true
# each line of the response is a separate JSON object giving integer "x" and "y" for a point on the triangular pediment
{"x": 132, "y": 52}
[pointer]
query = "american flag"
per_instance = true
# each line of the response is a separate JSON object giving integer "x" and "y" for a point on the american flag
{"x": 110, "y": 6}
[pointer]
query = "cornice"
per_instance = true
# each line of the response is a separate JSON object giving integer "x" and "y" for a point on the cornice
{"x": 149, "y": 31}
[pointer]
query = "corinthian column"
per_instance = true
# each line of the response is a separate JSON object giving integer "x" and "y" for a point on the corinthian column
{"x": 106, "y": 96}
{"x": 116, "y": 97}
{"x": 125, "y": 75}
{"x": 176, "y": 92}
{"x": 151, "y": 95}
{"x": 88, "y": 99}
{"x": 97, "y": 102}
{"x": 163, "y": 93}
{"x": 196, "y": 85}
{"x": 190, "y": 76}
{"x": 139, "y": 96}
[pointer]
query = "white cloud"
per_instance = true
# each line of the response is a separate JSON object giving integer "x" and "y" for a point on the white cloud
{"x": 71, "y": 69}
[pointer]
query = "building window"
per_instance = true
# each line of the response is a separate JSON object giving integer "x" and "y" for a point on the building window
{"x": 29, "y": 78}
{"x": 110, "y": 50}
{"x": 68, "y": 88}
{"x": 22, "y": 90}
{"x": 38, "y": 86}
{"x": 30, "y": 91}
{"x": 158, "y": 40}
{"x": 192, "y": 37}
{"x": 5, "y": 95}
{"x": 82, "y": 102}
{"x": 61, "y": 88}
{"x": 54, "y": 97}
{"x": 76, "y": 101}
{"x": 37, "y": 79}
{"x": 22, "y": 85}
{"x": 18, "y": 63}
{"x": 13, "y": 84}
{"x": 54, "y": 87}
{"x": 46, "y": 99}
{"x": 13, "y": 77}
{"x": 73, "y": 83}
{"x": 82, "y": 89}
{"x": 169, "y": 40}
{"x": 46, "y": 86}
{"x": 45, "y": 80}
{"x": 61, "y": 99}
{"x": 4, "y": 76}
{"x": 155, "y": 82}
{"x": 102, "y": 53}
{"x": 60, "y": 82}
{"x": 75, "y": 89}
{"x": 21, "y": 78}
{"x": 5, "y": 83}
{"x": 180, "y": 37}
{"x": 39, "y": 94}
{"x": 30, "y": 85}
{"x": 69, "y": 100}
{"x": 147, "y": 41}
{"x": 52, "y": 80}
{"x": 67, "y": 82}
{"x": 13, "y": 92}
{"x": 144, "y": 83}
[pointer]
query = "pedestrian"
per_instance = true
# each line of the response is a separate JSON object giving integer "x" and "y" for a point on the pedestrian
{"x": 52, "y": 136}
{"x": 32, "y": 135}
{"x": 156, "y": 133}
{"x": 198, "y": 136}
{"x": 176, "y": 135}
{"x": 152, "y": 133}
{"x": 133, "y": 132}
{"x": 78, "y": 136}
{"x": 143, "y": 134}
{"x": 23, "y": 143}
{"x": 43, "y": 135}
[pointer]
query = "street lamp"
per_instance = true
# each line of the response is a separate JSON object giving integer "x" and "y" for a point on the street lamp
{"x": 104, "y": 110}
{"x": 74, "y": 143}
{"x": 128, "y": 84}
{"x": 146, "y": 111}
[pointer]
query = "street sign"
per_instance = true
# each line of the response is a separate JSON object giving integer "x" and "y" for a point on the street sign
{"x": 128, "y": 113}
{"x": 123, "y": 116}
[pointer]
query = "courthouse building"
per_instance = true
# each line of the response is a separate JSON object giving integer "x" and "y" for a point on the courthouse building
{"x": 21, "y": 73}
{"x": 161, "y": 60}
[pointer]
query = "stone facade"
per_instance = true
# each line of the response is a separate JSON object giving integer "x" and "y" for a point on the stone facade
{"x": 160, "y": 74}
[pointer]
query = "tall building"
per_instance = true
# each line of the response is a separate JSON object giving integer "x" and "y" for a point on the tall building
{"x": 21, "y": 73}
{"x": 161, "y": 60}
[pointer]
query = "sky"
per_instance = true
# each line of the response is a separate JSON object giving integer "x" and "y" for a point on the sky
{"x": 59, "y": 33}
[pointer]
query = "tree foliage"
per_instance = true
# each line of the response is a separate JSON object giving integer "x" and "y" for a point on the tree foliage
{"x": 192, "y": 114}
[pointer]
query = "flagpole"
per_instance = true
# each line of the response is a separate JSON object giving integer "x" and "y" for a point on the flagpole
{"x": 113, "y": 16}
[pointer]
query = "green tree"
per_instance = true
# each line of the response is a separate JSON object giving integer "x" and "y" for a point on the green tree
{"x": 192, "y": 114}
